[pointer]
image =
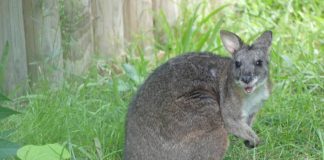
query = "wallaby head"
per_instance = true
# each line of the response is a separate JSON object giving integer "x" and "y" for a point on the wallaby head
{"x": 250, "y": 62}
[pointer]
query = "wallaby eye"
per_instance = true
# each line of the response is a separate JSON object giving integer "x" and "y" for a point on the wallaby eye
{"x": 237, "y": 64}
{"x": 259, "y": 62}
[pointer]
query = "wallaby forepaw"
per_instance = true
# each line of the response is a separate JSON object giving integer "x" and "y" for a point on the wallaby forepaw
{"x": 251, "y": 144}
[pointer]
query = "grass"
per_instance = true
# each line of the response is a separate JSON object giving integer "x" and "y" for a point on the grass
{"x": 291, "y": 124}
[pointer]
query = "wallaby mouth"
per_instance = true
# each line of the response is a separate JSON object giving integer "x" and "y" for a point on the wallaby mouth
{"x": 249, "y": 89}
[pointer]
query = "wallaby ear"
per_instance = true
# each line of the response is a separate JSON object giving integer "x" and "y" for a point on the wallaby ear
{"x": 264, "y": 41}
{"x": 231, "y": 41}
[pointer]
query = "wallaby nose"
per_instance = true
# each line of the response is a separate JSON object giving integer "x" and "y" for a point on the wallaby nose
{"x": 246, "y": 79}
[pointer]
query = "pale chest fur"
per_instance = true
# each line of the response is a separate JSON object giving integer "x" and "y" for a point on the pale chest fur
{"x": 253, "y": 102}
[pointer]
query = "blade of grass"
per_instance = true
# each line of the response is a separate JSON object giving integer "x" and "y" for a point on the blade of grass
{"x": 322, "y": 142}
{"x": 4, "y": 62}
{"x": 202, "y": 41}
{"x": 214, "y": 34}
{"x": 211, "y": 14}
{"x": 166, "y": 27}
{"x": 6, "y": 112}
{"x": 3, "y": 98}
{"x": 189, "y": 31}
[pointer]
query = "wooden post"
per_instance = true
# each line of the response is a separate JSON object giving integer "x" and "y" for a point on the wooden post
{"x": 108, "y": 27}
{"x": 169, "y": 7}
{"x": 138, "y": 22}
{"x": 77, "y": 32}
{"x": 43, "y": 41}
{"x": 13, "y": 66}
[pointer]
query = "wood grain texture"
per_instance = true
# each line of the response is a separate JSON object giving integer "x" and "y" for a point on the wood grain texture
{"x": 138, "y": 23}
{"x": 108, "y": 27}
{"x": 14, "y": 81}
{"x": 78, "y": 36}
{"x": 43, "y": 41}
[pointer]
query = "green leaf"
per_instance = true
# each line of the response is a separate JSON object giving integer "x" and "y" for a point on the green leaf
{"x": 132, "y": 73}
{"x": 122, "y": 86}
{"x": 211, "y": 14}
{"x": 7, "y": 149}
{"x": 48, "y": 152}
{"x": 6, "y": 112}
{"x": 166, "y": 27}
{"x": 6, "y": 133}
{"x": 3, "y": 98}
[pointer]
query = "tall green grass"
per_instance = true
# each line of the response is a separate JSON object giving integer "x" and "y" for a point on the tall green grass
{"x": 291, "y": 124}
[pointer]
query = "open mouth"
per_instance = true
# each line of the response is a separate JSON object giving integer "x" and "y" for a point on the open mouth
{"x": 249, "y": 89}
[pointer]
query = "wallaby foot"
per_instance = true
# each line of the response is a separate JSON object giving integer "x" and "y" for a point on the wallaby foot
{"x": 250, "y": 145}
{"x": 244, "y": 131}
{"x": 252, "y": 140}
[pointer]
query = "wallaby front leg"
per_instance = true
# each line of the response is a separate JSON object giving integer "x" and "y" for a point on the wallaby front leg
{"x": 240, "y": 129}
{"x": 250, "y": 119}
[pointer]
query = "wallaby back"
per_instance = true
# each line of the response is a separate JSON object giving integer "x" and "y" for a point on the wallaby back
{"x": 176, "y": 114}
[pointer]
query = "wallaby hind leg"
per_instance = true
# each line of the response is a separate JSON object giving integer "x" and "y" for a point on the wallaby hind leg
{"x": 140, "y": 142}
{"x": 211, "y": 146}
{"x": 198, "y": 131}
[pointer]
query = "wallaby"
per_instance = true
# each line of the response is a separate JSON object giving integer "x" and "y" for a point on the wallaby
{"x": 187, "y": 106}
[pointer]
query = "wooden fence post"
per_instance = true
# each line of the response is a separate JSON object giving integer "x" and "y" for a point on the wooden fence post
{"x": 108, "y": 27}
{"x": 138, "y": 22}
{"x": 77, "y": 34}
{"x": 13, "y": 67}
{"x": 43, "y": 41}
{"x": 169, "y": 7}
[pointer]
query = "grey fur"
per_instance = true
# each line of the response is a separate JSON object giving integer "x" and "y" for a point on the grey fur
{"x": 186, "y": 107}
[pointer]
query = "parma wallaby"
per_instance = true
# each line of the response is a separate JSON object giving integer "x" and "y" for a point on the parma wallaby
{"x": 187, "y": 106}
